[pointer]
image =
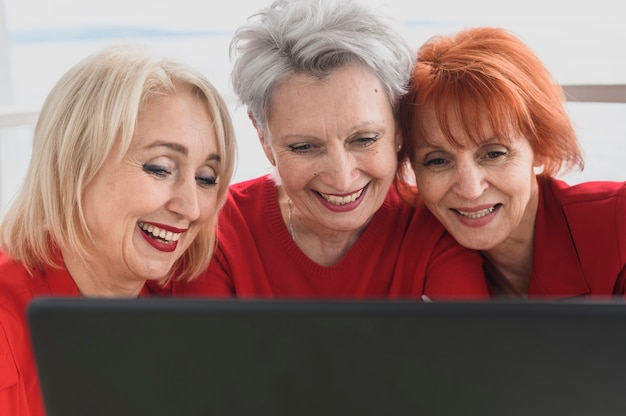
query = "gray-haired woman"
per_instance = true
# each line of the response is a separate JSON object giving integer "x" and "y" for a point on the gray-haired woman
{"x": 321, "y": 80}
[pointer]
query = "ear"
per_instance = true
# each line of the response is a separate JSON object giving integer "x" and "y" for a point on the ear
{"x": 267, "y": 149}
{"x": 538, "y": 165}
{"x": 399, "y": 138}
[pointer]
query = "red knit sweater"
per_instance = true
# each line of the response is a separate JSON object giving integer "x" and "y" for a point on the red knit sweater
{"x": 19, "y": 382}
{"x": 403, "y": 253}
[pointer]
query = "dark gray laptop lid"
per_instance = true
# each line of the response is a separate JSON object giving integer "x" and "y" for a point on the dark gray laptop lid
{"x": 246, "y": 357}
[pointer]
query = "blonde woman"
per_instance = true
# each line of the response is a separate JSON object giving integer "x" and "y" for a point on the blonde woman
{"x": 132, "y": 157}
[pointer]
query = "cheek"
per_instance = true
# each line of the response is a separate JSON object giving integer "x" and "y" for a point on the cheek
{"x": 518, "y": 182}
{"x": 379, "y": 163}
{"x": 190, "y": 236}
{"x": 523, "y": 195}
{"x": 430, "y": 187}
{"x": 98, "y": 209}
{"x": 208, "y": 207}
{"x": 296, "y": 173}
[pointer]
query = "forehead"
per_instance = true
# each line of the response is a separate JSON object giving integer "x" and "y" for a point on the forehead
{"x": 350, "y": 95}
{"x": 457, "y": 125}
{"x": 181, "y": 117}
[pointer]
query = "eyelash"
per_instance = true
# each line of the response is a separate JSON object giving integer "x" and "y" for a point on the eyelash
{"x": 494, "y": 154}
{"x": 158, "y": 171}
{"x": 366, "y": 141}
{"x": 438, "y": 161}
{"x": 302, "y": 148}
{"x": 207, "y": 182}
{"x": 491, "y": 155}
{"x": 162, "y": 172}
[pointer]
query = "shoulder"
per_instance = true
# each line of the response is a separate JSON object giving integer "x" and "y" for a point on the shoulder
{"x": 586, "y": 192}
{"x": 593, "y": 218}
{"x": 247, "y": 198}
{"x": 591, "y": 209}
{"x": 394, "y": 203}
{"x": 8, "y": 368}
{"x": 15, "y": 294}
{"x": 591, "y": 206}
{"x": 393, "y": 216}
{"x": 426, "y": 221}
{"x": 250, "y": 193}
{"x": 251, "y": 187}
{"x": 416, "y": 215}
{"x": 415, "y": 222}
{"x": 14, "y": 279}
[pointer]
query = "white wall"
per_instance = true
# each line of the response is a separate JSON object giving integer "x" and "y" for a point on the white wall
{"x": 578, "y": 41}
{"x": 6, "y": 87}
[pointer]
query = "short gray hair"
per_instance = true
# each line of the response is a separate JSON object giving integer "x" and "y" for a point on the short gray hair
{"x": 315, "y": 37}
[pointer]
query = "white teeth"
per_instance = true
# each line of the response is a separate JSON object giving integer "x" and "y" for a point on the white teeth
{"x": 477, "y": 214}
{"x": 160, "y": 233}
{"x": 342, "y": 200}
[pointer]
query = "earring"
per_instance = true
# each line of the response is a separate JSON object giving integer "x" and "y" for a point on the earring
{"x": 398, "y": 147}
{"x": 272, "y": 162}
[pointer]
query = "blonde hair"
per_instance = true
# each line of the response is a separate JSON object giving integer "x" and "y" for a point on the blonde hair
{"x": 93, "y": 107}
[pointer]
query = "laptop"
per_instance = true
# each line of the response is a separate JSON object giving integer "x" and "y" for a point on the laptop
{"x": 196, "y": 357}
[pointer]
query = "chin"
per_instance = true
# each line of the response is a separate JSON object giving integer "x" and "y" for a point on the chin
{"x": 155, "y": 274}
{"x": 473, "y": 244}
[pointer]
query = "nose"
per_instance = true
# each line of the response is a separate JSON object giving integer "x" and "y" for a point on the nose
{"x": 470, "y": 180}
{"x": 184, "y": 199}
{"x": 339, "y": 170}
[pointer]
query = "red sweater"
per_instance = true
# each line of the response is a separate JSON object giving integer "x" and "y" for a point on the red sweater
{"x": 403, "y": 253}
{"x": 580, "y": 240}
{"x": 19, "y": 383}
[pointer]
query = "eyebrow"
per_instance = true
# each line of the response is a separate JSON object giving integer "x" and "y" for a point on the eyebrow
{"x": 355, "y": 129}
{"x": 182, "y": 149}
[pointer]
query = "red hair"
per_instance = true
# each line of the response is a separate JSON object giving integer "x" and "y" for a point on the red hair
{"x": 489, "y": 71}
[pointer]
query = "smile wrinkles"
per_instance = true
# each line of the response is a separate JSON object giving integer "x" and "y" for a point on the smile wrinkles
{"x": 159, "y": 232}
{"x": 341, "y": 200}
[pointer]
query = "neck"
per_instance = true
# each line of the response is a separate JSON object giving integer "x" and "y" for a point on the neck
{"x": 509, "y": 265}
{"x": 323, "y": 246}
{"x": 95, "y": 281}
{"x": 509, "y": 272}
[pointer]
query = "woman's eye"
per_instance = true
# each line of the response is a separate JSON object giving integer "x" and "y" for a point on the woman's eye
{"x": 300, "y": 148}
{"x": 366, "y": 141}
{"x": 438, "y": 161}
{"x": 156, "y": 170}
{"x": 494, "y": 154}
{"x": 206, "y": 181}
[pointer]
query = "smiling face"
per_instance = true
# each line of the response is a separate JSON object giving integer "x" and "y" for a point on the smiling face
{"x": 485, "y": 194}
{"x": 334, "y": 144}
{"x": 144, "y": 212}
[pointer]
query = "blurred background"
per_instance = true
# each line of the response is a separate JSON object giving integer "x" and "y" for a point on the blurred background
{"x": 580, "y": 42}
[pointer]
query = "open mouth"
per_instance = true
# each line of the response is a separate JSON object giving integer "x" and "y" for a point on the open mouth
{"x": 474, "y": 215}
{"x": 341, "y": 199}
{"x": 159, "y": 234}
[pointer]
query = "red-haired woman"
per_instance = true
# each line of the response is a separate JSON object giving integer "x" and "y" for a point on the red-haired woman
{"x": 487, "y": 133}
